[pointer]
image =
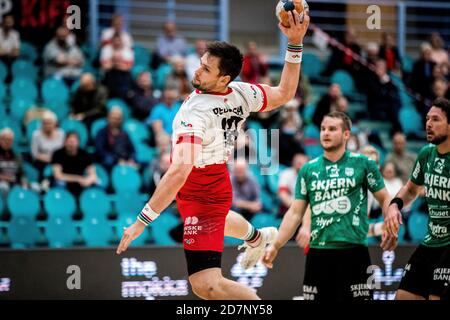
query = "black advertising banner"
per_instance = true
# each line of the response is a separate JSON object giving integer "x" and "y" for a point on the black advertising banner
{"x": 153, "y": 273}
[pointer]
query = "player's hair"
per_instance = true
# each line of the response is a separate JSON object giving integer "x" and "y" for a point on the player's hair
{"x": 346, "y": 122}
{"x": 230, "y": 58}
{"x": 444, "y": 105}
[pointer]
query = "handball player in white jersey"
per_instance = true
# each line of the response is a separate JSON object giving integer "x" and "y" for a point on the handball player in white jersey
{"x": 204, "y": 131}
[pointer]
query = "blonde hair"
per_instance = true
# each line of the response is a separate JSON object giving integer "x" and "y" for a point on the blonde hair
{"x": 372, "y": 153}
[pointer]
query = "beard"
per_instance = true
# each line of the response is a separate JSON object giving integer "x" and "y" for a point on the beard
{"x": 437, "y": 140}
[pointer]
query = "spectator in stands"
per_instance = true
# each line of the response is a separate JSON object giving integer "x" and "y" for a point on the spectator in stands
{"x": 116, "y": 61}
{"x": 178, "y": 78}
{"x": 391, "y": 180}
{"x": 400, "y": 157}
{"x": 193, "y": 59}
{"x": 113, "y": 145}
{"x": 89, "y": 101}
{"x": 116, "y": 29}
{"x": 62, "y": 59}
{"x": 290, "y": 134}
{"x": 438, "y": 54}
{"x": 9, "y": 43}
{"x": 440, "y": 87}
{"x": 343, "y": 59}
{"x": 303, "y": 93}
{"x": 140, "y": 97}
{"x": 255, "y": 68}
{"x": 46, "y": 141}
{"x": 389, "y": 53}
{"x": 287, "y": 182}
{"x": 10, "y": 162}
{"x": 372, "y": 52}
{"x": 422, "y": 73}
{"x": 383, "y": 98}
{"x": 73, "y": 167}
{"x": 168, "y": 45}
{"x": 158, "y": 168}
{"x": 163, "y": 113}
{"x": 246, "y": 191}
{"x": 245, "y": 148}
{"x": 327, "y": 103}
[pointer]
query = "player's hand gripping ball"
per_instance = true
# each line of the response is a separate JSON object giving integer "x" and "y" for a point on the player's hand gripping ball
{"x": 286, "y": 7}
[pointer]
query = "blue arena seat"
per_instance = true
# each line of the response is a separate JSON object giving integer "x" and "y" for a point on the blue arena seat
{"x": 23, "y": 69}
{"x": 77, "y": 126}
{"x": 161, "y": 228}
{"x": 60, "y": 108}
{"x": 19, "y": 107}
{"x": 30, "y": 172}
{"x": 60, "y": 232}
{"x": 2, "y": 91}
{"x": 128, "y": 203}
{"x": 125, "y": 178}
{"x": 59, "y": 202}
{"x": 410, "y": 120}
{"x": 54, "y": 89}
{"x": 23, "y": 202}
{"x": 137, "y": 130}
{"x": 345, "y": 80}
{"x": 96, "y": 232}
{"x": 144, "y": 153}
{"x": 262, "y": 220}
{"x": 2, "y": 205}
{"x": 116, "y": 102}
{"x": 417, "y": 226}
{"x": 23, "y": 232}
{"x": 102, "y": 176}
{"x": 94, "y": 203}
{"x": 24, "y": 89}
{"x": 3, "y": 72}
{"x": 312, "y": 66}
{"x": 28, "y": 52}
{"x": 142, "y": 55}
{"x": 97, "y": 125}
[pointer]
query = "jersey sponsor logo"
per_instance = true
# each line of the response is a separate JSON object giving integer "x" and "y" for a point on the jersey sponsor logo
{"x": 303, "y": 187}
{"x": 441, "y": 274}
{"x": 437, "y": 194}
{"x": 349, "y": 172}
{"x": 191, "y": 226}
{"x": 191, "y": 221}
{"x": 315, "y": 174}
{"x": 416, "y": 171}
{"x": 371, "y": 180}
{"x": 355, "y": 221}
{"x": 437, "y": 230}
{"x": 332, "y": 171}
{"x": 186, "y": 125}
{"x": 341, "y": 205}
{"x": 221, "y": 111}
{"x": 255, "y": 94}
{"x": 189, "y": 241}
{"x": 439, "y": 165}
{"x": 322, "y": 223}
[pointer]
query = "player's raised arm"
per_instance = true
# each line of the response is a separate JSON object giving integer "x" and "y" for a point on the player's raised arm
{"x": 285, "y": 91}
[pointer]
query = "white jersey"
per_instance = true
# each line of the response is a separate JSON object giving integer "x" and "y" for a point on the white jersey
{"x": 214, "y": 120}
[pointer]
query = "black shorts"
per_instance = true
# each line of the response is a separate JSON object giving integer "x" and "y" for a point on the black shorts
{"x": 428, "y": 272}
{"x": 200, "y": 260}
{"x": 337, "y": 274}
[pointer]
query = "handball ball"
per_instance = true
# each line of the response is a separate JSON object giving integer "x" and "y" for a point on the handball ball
{"x": 285, "y": 8}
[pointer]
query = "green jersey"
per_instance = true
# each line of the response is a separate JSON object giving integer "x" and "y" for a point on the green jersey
{"x": 337, "y": 195}
{"x": 432, "y": 170}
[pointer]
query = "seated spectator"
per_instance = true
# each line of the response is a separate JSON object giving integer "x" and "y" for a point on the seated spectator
{"x": 10, "y": 162}
{"x": 290, "y": 133}
{"x": 245, "y": 148}
{"x": 141, "y": 96}
{"x": 9, "y": 42}
{"x": 391, "y": 180}
{"x": 327, "y": 103}
{"x": 46, "y": 141}
{"x": 193, "y": 59}
{"x": 422, "y": 73}
{"x": 116, "y": 28}
{"x": 383, "y": 98}
{"x": 287, "y": 182}
{"x": 62, "y": 59}
{"x": 246, "y": 191}
{"x": 163, "y": 113}
{"x": 372, "y": 52}
{"x": 158, "y": 168}
{"x": 113, "y": 144}
{"x": 438, "y": 54}
{"x": 117, "y": 61}
{"x": 89, "y": 101}
{"x": 255, "y": 68}
{"x": 400, "y": 157}
{"x": 389, "y": 53}
{"x": 168, "y": 45}
{"x": 178, "y": 78}
{"x": 73, "y": 167}
{"x": 440, "y": 87}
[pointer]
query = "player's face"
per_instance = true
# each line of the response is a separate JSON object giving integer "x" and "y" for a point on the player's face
{"x": 436, "y": 126}
{"x": 332, "y": 134}
{"x": 207, "y": 77}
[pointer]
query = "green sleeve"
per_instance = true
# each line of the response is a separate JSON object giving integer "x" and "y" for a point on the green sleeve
{"x": 417, "y": 175}
{"x": 301, "y": 192}
{"x": 375, "y": 180}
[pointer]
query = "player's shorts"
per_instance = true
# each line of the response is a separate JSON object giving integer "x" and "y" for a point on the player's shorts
{"x": 337, "y": 274}
{"x": 428, "y": 272}
{"x": 204, "y": 202}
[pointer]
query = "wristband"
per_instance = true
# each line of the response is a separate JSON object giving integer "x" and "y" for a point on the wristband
{"x": 294, "y": 53}
{"x": 398, "y": 201}
{"x": 147, "y": 215}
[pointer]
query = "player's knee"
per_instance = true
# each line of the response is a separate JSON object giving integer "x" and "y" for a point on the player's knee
{"x": 204, "y": 289}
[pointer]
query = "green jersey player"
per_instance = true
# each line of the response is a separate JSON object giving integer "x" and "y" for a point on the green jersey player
{"x": 427, "y": 274}
{"x": 335, "y": 186}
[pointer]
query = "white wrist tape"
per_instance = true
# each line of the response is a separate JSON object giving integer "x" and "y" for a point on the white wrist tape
{"x": 147, "y": 215}
{"x": 294, "y": 53}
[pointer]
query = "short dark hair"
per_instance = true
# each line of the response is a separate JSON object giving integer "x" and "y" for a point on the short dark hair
{"x": 72, "y": 133}
{"x": 444, "y": 105}
{"x": 346, "y": 122}
{"x": 230, "y": 58}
